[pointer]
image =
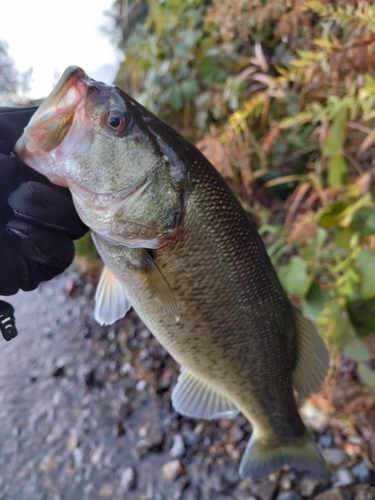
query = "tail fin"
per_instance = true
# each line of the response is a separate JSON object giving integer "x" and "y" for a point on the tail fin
{"x": 302, "y": 454}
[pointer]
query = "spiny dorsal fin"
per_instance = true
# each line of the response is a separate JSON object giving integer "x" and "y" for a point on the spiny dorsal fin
{"x": 312, "y": 357}
{"x": 195, "y": 398}
{"x": 111, "y": 302}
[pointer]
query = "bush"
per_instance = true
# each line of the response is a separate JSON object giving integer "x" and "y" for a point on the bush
{"x": 280, "y": 97}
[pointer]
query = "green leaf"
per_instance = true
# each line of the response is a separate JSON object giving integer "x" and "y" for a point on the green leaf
{"x": 366, "y": 266}
{"x": 189, "y": 89}
{"x": 314, "y": 302}
{"x": 337, "y": 134}
{"x": 364, "y": 221}
{"x": 361, "y": 314}
{"x": 329, "y": 218}
{"x": 176, "y": 100}
{"x": 357, "y": 350}
{"x": 367, "y": 375}
{"x": 339, "y": 327}
{"x": 336, "y": 170}
{"x": 293, "y": 276}
{"x": 342, "y": 237}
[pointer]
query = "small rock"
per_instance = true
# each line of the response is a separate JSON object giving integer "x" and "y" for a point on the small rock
{"x": 287, "y": 481}
{"x": 172, "y": 470}
{"x": 178, "y": 447}
{"x": 96, "y": 455}
{"x": 142, "y": 447}
{"x": 141, "y": 385}
{"x": 335, "y": 456}
{"x": 310, "y": 486}
{"x": 48, "y": 463}
{"x": 128, "y": 479}
{"x": 334, "y": 494}
{"x": 264, "y": 489}
{"x": 361, "y": 472}
{"x": 229, "y": 475}
{"x": 236, "y": 434}
{"x": 289, "y": 495}
{"x": 326, "y": 440}
{"x": 191, "y": 438}
{"x": 347, "y": 494}
{"x": 364, "y": 492}
{"x": 73, "y": 442}
{"x": 343, "y": 477}
{"x": 106, "y": 491}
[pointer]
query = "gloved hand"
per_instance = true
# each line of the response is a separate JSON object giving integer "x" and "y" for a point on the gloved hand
{"x": 37, "y": 219}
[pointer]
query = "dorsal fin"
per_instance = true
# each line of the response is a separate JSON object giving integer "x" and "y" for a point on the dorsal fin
{"x": 197, "y": 399}
{"x": 312, "y": 357}
{"x": 111, "y": 302}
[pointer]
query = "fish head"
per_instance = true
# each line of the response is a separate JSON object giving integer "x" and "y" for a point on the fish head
{"x": 75, "y": 134}
{"x": 117, "y": 158}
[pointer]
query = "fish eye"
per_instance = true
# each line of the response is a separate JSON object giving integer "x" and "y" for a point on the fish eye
{"x": 116, "y": 121}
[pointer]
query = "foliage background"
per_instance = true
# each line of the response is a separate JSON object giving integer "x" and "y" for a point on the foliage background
{"x": 13, "y": 84}
{"x": 280, "y": 97}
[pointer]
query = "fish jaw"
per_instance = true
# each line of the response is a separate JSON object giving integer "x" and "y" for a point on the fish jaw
{"x": 58, "y": 129}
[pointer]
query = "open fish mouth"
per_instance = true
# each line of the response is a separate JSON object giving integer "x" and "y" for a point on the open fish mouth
{"x": 59, "y": 115}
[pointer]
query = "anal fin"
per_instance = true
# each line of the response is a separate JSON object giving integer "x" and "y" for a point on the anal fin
{"x": 196, "y": 398}
{"x": 111, "y": 302}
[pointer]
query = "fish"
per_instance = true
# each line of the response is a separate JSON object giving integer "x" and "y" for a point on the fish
{"x": 178, "y": 247}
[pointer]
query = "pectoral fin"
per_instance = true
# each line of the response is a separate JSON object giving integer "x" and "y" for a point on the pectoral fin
{"x": 195, "y": 398}
{"x": 111, "y": 302}
{"x": 312, "y": 357}
{"x": 160, "y": 289}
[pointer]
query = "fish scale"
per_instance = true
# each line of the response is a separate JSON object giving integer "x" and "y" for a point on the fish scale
{"x": 179, "y": 248}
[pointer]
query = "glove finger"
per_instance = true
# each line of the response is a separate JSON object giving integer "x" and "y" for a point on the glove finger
{"x": 41, "y": 245}
{"x": 45, "y": 207}
{"x": 12, "y": 123}
{"x": 12, "y": 267}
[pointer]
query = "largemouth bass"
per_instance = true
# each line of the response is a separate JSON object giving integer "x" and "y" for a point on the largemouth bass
{"x": 179, "y": 248}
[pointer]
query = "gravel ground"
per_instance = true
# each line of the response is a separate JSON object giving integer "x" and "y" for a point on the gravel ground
{"x": 85, "y": 413}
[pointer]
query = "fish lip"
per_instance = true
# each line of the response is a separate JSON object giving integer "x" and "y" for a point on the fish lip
{"x": 58, "y": 107}
{"x": 73, "y": 77}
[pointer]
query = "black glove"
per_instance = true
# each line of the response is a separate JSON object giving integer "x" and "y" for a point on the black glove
{"x": 37, "y": 219}
{"x": 7, "y": 321}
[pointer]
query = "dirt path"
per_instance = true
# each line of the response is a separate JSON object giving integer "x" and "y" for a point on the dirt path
{"x": 85, "y": 414}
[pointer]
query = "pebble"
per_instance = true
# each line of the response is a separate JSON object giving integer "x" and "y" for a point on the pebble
{"x": 172, "y": 470}
{"x": 289, "y": 495}
{"x": 128, "y": 479}
{"x": 364, "y": 492}
{"x": 326, "y": 440}
{"x": 310, "y": 486}
{"x": 229, "y": 475}
{"x": 264, "y": 489}
{"x": 361, "y": 472}
{"x": 335, "y": 456}
{"x": 178, "y": 447}
{"x": 288, "y": 479}
{"x": 142, "y": 447}
{"x": 106, "y": 491}
{"x": 343, "y": 477}
{"x": 191, "y": 438}
{"x": 333, "y": 494}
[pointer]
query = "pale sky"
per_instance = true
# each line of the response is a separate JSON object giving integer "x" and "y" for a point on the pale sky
{"x": 50, "y": 36}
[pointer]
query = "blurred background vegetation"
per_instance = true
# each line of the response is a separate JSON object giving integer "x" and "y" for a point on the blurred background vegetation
{"x": 13, "y": 84}
{"x": 280, "y": 96}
